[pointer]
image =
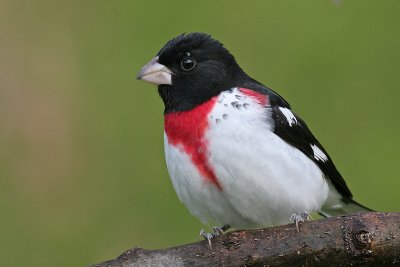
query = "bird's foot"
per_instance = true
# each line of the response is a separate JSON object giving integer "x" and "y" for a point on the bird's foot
{"x": 305, "y": 216}
{"x": 217, "y": 231}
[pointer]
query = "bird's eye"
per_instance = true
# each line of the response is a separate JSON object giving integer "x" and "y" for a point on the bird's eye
{"x": 188, "y": 63}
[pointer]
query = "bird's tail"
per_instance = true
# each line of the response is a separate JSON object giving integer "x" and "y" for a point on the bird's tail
{"x": 345, "y": 206}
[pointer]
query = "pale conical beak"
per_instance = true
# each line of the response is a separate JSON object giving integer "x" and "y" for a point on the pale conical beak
{"x": 155, "y": 73}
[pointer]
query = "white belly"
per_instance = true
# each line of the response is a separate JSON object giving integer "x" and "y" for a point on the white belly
{"x": 264, "y": 180}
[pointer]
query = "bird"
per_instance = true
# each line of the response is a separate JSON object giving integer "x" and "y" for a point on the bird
{"x": 237, "y": 154}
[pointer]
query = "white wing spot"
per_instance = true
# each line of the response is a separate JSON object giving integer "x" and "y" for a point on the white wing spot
{"x": 318, "y": 154}
{"x": 289, "y": 116}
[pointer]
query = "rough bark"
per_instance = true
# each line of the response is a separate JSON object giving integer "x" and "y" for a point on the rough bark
{"x": 362, "y": 239}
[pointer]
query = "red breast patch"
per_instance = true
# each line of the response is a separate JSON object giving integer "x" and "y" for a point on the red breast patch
{"x": 187, "y": 129}
{"x": 259, "y": 97}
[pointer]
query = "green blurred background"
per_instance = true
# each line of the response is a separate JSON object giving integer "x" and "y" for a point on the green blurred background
{"x": 82, "y": 172}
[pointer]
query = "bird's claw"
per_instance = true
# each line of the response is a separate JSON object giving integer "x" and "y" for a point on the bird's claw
{"x": 207, "y": 236}
{"x": 305, "y": 216}
{"x": 217, "y": 231}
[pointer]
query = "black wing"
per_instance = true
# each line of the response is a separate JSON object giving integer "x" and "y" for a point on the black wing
{"x": 295, "y": 132}
{"x": 299, "y": 135}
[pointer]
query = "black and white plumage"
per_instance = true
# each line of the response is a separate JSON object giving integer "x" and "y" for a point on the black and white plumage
{"x": 236, "y": 152}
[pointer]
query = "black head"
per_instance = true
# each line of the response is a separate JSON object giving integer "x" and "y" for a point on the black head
{"x": 190, "y": 69}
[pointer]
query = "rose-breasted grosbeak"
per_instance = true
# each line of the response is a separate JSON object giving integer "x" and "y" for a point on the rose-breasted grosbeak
{"x": 236, "y": 152}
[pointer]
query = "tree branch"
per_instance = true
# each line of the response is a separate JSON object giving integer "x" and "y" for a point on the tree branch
{"x": 364, "y": 239}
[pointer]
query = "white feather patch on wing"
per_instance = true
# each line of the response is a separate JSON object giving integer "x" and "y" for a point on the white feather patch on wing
{"x": 318, "y": 154}
{"x": 289, "y": 116}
